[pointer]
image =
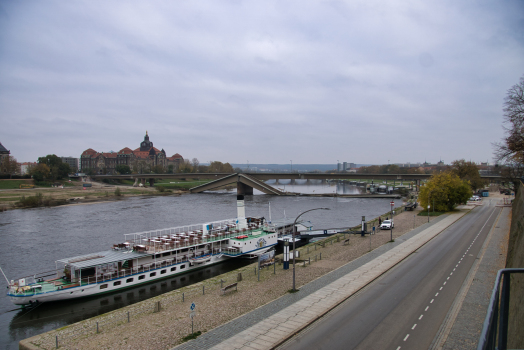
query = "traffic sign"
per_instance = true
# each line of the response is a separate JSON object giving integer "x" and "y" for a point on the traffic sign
{"x": 392, "y": 203}
{"x": 192, "y": 307}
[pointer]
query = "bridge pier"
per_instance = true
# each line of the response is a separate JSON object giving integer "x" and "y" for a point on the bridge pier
{"x": 293, "y": 182}
{"x": 143, "y": 181}
{"x": 244, "y": 190}
{"x": 136, "y": 182}
{"x": 151, "y": 182}
{"x": 277, "y": 182}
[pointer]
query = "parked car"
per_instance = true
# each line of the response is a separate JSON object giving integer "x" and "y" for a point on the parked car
{"x": 387, "y": 225}
{"x": 475, "y": 198}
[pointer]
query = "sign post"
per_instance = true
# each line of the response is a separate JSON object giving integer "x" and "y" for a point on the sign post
{"x": 192, "y": 314}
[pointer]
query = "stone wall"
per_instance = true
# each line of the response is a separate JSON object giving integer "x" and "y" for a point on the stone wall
{"x": 515, "y": 259}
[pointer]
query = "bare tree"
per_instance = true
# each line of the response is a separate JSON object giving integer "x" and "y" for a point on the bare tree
{"x": 512, "y": 146}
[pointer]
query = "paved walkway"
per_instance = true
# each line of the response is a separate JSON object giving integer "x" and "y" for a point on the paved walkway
{"x": 272, "y": 324}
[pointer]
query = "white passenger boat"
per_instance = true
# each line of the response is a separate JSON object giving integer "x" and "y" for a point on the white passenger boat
{"x": 145, "y": 257}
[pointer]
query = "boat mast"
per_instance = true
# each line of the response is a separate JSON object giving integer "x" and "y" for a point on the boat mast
{"x": 5, "y": 276}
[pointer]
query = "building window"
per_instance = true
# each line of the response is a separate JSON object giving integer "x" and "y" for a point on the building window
{"x": 103, "y": 286}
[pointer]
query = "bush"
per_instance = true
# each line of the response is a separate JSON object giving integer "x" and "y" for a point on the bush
{"x": 118, "y": 193}
{"x": 160, "y": 188}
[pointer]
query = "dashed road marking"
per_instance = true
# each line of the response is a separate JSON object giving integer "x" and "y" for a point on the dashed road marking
{"x": 432, "y": 300}
{"x": 414, "y": 326}
{"x": 426, "y": 309}
{"x": 406, "y": 337}
{"x": 420, "y": 317}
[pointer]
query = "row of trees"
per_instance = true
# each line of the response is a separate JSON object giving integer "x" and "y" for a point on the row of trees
{"x": 51, "y": 168}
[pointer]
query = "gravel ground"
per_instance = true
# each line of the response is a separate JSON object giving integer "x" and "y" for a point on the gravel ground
{"x": 165, "y": 329}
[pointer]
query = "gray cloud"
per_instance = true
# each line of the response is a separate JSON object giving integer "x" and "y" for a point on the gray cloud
{"x": 259, "y": 81}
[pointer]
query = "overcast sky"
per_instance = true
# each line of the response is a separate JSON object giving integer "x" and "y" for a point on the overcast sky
{"x": 259, "y": 81}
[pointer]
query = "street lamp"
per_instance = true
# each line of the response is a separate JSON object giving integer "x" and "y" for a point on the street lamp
{"x": 294, "y": 233}
{"x": 391, "y": 224}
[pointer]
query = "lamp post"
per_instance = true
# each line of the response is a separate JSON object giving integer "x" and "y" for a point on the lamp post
{"x": 391, "y": 225}
{"x": 294, "y": 232}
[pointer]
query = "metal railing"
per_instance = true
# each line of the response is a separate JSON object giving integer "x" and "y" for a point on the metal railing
{"x": 495, "y": 329}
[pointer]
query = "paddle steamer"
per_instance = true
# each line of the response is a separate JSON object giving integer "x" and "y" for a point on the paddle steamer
{"x": 147, "y": 256}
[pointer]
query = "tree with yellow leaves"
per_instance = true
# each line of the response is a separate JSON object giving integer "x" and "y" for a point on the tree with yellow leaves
{"x": 444, "y": 191}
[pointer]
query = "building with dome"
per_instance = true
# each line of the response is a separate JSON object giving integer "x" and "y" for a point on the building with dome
{"x": 144, "y": 159}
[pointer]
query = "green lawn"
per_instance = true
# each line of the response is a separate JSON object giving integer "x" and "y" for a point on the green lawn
{"x": 12, "y": 184}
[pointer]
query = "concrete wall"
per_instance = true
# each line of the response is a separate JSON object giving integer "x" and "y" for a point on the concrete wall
{"x": 515, "y": 259}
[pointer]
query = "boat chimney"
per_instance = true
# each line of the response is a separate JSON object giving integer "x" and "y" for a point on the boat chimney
{"x": 241, "y": 212}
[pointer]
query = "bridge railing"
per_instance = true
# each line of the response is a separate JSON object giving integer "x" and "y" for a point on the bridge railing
{"x": 495, "y": 329}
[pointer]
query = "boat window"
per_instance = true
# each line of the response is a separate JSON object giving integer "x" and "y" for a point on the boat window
{"x": 117, "y": 283}
{"x": 182, "y": 267}
{"x": 141, "y": 277}
{"x": 162, "y": 272}
{"x": 129, "y": 280}
{"x": 152, "y": 274}
{"x": 166, "y": 254}
{"x": 103, "y": 286}
{"x": 173, "y": 268}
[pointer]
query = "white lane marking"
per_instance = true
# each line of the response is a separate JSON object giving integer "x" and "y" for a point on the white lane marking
{"x": 432, "y": 300}
{"x": 451, "y": 274}
{"x": 436, "y": 294}
{"x": 440, "y": 288}
{"x": 406, "y": 337}
{"x": 444, "y": 283}
{"x": 414, "y": 326}
{"x": 426, "y": 309}
{"x": 398, "y": 348}
{"x": 421, "y": 317}
{"x": 455, "y": 268}
{"x": 447, "y": 278}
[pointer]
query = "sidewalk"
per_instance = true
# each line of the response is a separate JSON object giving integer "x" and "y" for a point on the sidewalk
{"x": 275, "y": 322}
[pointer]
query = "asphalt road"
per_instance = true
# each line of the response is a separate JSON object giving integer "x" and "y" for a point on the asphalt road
{"x": 405, "y": 308}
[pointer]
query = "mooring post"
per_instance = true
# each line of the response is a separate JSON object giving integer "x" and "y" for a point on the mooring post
{"x": 97, "y": 327}
{"x": 203, "y": 290}
{"x": 128, "y": 317}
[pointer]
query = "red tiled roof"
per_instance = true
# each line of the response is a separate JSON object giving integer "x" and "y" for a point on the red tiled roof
{"x": 89, "y": 152}
{"x": 141, "y": 154}
{"x": 175, "y": 156}
{"x": 110, "y": 154}
{"x": 156, "y": 149}
{"x": 125, "y": 150}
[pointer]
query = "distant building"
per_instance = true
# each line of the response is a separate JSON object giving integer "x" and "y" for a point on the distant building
{"x": 73, "y": 162}
{"x": 339, "y": 167}
{"x": 3, "y": 152}
{"x": 25, "y": 167}
{"x": 345, "y": 166}
{"x": 140, "y": 160}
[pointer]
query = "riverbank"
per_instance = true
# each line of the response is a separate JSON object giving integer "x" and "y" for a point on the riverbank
{"x": 76, "y": 194}
{"x": 153, "y": 330}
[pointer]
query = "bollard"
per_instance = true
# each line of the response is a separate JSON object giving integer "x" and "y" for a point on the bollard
{"x": 239, "y": 277}
{"x": 128, "y": 317}
{"x": 57, "y": 341}
{"x": 182, "y": 297}
{"x": 203, "y": 290}
{"x": 221, "y": 283}
{"x": 97, "y": 327}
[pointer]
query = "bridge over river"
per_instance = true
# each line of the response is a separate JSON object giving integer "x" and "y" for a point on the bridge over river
{"x": 247, "y": 181}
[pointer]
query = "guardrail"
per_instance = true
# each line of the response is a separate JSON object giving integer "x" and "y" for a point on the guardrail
{"x": 495, "y": 329}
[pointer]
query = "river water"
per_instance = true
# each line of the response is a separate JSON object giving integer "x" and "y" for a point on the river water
{"x": 31, "y": 240}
